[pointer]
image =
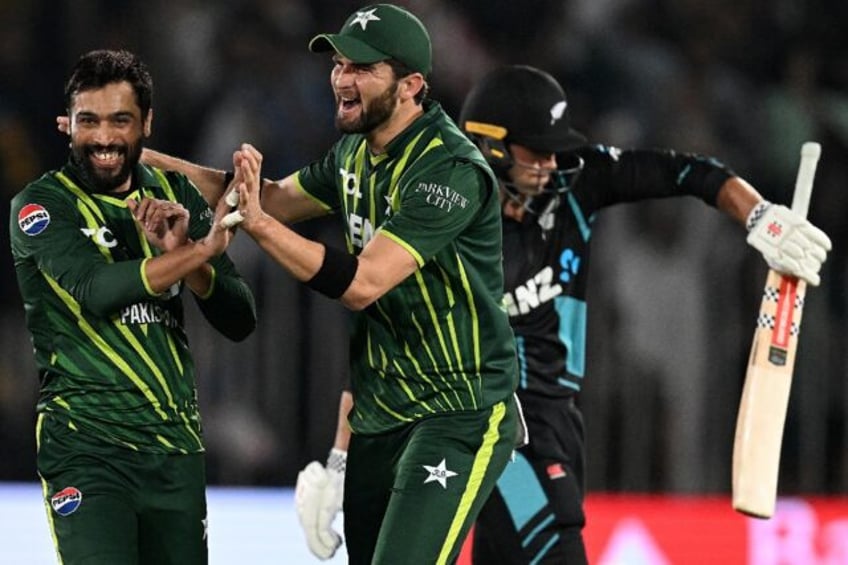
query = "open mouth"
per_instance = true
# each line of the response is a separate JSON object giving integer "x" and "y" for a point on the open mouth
{"x": 106, "y": 158}
{"x": 348, "y": 104}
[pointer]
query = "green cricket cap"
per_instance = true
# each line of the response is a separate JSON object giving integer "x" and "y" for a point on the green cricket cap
{"x": 379, "y": 32}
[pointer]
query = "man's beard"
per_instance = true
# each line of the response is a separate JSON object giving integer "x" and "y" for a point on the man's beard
{"x": 376, "y": 113}
{"x": 98, "y": 180}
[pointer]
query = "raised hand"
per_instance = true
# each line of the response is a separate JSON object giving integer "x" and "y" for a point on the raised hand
{"x": 247, "y": 164}
{"x": 221, "y": 232}
{"x": 164, "y": 223}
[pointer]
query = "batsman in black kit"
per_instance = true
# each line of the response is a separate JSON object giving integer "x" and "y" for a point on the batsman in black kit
{"x": 552, "y": 185}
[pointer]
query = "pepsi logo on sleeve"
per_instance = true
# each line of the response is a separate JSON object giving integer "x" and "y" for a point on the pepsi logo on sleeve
{"x": 33, "y": 219}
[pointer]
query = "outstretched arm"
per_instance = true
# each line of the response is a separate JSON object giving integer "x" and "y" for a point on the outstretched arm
{"x": 281, "y": 199}
{"x": 209, "y": 181}
{"x": 357, "y": 281}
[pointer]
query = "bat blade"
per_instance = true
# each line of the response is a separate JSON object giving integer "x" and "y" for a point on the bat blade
{"x": 768, "y": 378}
{"x": 765, "y": 396}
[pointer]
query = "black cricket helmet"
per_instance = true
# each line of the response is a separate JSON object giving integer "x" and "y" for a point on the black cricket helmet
{"x": 518, "y": 104}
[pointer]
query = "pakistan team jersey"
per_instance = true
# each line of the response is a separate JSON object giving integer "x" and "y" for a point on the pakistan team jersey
{"x": 112, "y": 356}
{"x": 440, "y": 341}
{"x": 548, "y": 254}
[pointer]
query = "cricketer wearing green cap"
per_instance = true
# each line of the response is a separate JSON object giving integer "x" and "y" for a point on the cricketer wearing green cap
{"x": 380, "y": 32}
{"x": 432, "y": 357}
{"x": 433, "y": 366}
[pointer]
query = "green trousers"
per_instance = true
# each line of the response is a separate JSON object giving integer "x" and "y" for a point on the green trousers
{"x": 412, "y": 494}
{"x": 109, "y": 505}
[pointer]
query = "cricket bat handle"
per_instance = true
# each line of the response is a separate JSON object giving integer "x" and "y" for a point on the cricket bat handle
{"x": 810, "y": 153}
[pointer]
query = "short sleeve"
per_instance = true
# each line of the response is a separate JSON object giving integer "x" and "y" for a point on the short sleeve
{"x": 435, "y": 206}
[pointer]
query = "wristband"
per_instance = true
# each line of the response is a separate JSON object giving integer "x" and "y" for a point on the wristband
{"x": 756, "y": 213}
{"x": 336, "y": 273}
{"x": 337, "y": 460}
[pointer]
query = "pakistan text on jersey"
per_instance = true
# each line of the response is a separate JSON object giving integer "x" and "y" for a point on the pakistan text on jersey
{"x": 148, "y": 313}
{"x": 441, "y": 196}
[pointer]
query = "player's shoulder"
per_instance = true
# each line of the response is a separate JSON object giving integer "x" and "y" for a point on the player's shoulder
{"x": 46, "y": 182}
{"x": 45, "y": 188}
{"x": 454, "y": 142}
{"x": 33, "y": 206}
{"x": 451, "y": 157}
{"x": 451, "y": 152}
{"x": 600, "y": 152}
{"x": 174, "y": 184}
{"x": 155, "y": 175}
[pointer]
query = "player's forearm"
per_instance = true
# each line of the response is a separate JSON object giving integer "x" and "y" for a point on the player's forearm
{"x": 200, "y": 280}
{"x": 285, "y": 202}
{"x": 303, "y": 258}
{"x": 342, "y": 439}
{"x": 300, "y": 256}
{"x": 229, "y": 307}
{"x": 209, "y": 181}
{"x": 188, "y": 260}
{"x": 736, "y": 198}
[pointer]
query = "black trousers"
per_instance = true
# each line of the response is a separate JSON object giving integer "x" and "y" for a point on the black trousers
{"x": 536, "y": 513}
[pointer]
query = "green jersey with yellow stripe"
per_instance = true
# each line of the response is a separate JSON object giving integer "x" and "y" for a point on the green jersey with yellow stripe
{"x": 440, "y": 341}
{"x": 112, "y": 355}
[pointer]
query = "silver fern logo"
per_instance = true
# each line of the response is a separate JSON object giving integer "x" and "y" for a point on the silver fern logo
{"x": 558, "y": 111}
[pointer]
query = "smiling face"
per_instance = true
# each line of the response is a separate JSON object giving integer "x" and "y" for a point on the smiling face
{"x": 366, "y": 95}
{"x": 107, "y": 133}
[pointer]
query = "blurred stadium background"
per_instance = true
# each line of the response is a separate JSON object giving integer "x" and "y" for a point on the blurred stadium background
{"x": 676, "y": 288}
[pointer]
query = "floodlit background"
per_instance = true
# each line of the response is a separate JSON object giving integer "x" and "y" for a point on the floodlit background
{"x": 258, "y": 525}
{"x": 246, "y": 525}
{"x": 675, "y": 287}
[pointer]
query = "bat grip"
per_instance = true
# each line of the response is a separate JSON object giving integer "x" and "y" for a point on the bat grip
{"x": 810, "y": 153}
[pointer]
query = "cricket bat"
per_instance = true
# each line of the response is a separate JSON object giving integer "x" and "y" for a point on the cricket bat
{"x": 768, "y": 379}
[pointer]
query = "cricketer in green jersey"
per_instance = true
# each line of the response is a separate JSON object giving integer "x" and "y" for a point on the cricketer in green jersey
{"x": 432, "y": 356}
{"x": 103, "y": 249}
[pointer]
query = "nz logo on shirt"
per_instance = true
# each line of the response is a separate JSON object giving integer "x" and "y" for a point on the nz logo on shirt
{"x": 543, "y": 286}
{"x": 66, "y": 501}
{"x": 539, "y": 289}
{"x": 570, "y": 263}
{"x": 33, "y": 219}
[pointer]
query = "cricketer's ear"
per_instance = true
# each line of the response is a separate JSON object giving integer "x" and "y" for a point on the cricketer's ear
{"x": 411, "y": 85}
{"x": 148, "y": 123}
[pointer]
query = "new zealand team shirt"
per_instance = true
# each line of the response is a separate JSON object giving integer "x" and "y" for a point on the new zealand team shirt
{"x": 440, "y": 341}
{"x": 547, "y": 254}
{"x": 112, "y": 355}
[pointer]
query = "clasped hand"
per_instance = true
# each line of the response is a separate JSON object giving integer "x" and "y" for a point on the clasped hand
{"x": 164, "y": 223}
